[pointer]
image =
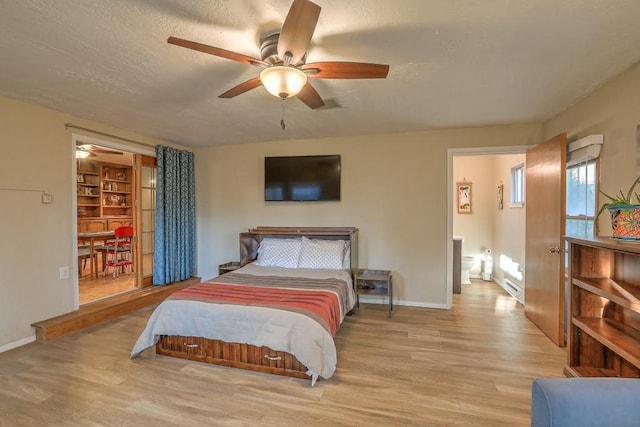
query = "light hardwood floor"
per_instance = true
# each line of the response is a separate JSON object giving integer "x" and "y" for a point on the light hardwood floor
{"x": 469, "y": 366}
{"x": 95, "y": 288}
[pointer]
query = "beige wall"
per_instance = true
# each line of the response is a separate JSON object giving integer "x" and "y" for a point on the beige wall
{"x": 37, "y": 238}
{"x": 509, "y": 223}
{"x": 502, "y": 231}
{"x": 394, "y": 189}
{"x": 613, "y": 110}
{"x": 476, "y": 227}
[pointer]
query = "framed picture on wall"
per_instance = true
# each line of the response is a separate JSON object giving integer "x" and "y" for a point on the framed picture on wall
{"x": 500, "y": 192}
{"x": 463, "y": 190}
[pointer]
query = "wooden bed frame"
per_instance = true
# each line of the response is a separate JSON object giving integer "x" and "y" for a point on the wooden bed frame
{"x": 245, "y": 356}
{"x": 235, "y": 355}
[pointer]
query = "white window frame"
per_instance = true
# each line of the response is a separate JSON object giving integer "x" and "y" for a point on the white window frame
{"x": 586, "y": 217}
{"x": 516, "y": 197}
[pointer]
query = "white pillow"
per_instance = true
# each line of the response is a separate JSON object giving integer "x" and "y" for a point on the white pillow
{"x": 321, "y": 254}
{"x": 279, "y": 252}
{"x": 346, "y": 261}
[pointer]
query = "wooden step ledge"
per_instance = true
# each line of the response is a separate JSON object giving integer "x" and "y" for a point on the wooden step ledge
{"x": 105, "y": 309}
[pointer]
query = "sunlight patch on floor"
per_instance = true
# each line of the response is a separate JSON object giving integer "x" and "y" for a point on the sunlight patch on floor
{"x": 505, "y": 304}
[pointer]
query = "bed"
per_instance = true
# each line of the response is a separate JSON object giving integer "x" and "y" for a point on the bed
{"x": 278, "y": 313}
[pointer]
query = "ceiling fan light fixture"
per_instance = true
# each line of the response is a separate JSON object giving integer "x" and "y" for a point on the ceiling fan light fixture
{"x": 81, "y": 154}
{"x": 282, "y": 81}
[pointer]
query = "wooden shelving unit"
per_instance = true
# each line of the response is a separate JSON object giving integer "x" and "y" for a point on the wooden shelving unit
{"x": 116, "y": 190}
{"x": 104, "y": 190}
{"x": 88, "y": 188}
{"x": 604, "y": 327}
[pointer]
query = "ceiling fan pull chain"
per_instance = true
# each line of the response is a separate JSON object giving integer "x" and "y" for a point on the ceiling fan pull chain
{"x": 282, "y": 125}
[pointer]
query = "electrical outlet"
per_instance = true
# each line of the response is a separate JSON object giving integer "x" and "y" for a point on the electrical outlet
{"x": 64, "y": 273}
{"x": 46, "y": 198}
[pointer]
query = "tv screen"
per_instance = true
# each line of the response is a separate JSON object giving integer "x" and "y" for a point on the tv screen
{"x": 302, "y": 178}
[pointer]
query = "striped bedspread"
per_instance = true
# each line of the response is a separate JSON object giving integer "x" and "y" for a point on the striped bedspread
{"x": 262, "y": 307}
{"x": 321, "y": 305}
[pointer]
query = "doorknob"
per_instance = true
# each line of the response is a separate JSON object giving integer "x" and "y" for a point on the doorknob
{"x": 557, "y": 250}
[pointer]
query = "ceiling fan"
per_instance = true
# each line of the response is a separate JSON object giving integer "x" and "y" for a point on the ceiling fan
{"x": 283, "y": 56}
{"x": 85, "y": 150}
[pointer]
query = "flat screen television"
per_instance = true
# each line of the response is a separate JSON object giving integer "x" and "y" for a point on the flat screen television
{"x": 302, "y": 178}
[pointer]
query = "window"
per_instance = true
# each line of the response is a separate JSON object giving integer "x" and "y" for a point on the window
{"x": 517, "y": 186}
{"x": 581, "y": 199}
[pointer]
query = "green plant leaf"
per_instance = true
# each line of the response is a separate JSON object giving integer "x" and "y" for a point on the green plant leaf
{"x": 620, "y": 200}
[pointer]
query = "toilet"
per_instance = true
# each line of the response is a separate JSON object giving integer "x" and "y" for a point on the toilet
{"x": 466, "y": 264}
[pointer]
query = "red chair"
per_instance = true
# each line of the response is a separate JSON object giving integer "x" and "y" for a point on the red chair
{"x": 118, "y": 253}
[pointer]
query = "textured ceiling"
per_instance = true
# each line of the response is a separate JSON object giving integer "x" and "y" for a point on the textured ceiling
{"x": 453, "y": 63}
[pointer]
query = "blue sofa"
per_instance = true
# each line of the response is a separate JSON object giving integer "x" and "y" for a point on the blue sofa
{"x": 585, "y": 402}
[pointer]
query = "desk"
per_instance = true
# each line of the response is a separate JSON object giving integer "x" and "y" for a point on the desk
{"x": 92, "y": 237}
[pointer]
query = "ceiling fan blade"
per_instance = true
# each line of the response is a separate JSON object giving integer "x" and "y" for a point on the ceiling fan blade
{"x": 309, "y": 96}
{"x": 217, "y": 51}
{"x": 242, "y": 88}
{"x": 346, "y": 70}
{"x": 298, "y": 29}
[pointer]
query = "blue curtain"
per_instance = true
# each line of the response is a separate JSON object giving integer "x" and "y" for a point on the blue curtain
{"x": 174, "y": 257}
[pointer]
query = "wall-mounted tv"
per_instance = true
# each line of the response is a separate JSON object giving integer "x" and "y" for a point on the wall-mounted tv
{"x": 302, "y": 178}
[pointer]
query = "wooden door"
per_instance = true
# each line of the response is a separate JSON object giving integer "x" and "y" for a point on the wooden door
{"x": 545, "y": 217}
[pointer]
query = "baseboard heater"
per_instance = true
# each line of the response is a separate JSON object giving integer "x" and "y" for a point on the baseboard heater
{"x": 514, "y": 290}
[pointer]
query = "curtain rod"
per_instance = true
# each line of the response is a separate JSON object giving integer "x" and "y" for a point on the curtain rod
{"x": 71, "y": 125}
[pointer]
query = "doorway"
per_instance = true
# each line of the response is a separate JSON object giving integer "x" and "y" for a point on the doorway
{"x": 114, "y": 187}
{"x": 491, "y": 222}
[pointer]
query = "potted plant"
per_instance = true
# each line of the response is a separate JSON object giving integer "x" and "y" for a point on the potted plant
{"x": 625, "y": 214}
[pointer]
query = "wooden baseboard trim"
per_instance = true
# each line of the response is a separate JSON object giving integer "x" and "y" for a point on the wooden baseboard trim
{"x": 106, "y": 309}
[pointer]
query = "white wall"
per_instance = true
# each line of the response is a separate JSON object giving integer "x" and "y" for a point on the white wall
{"x": 394, "y": 189}
{"x": 36, "y": 239}
{"x": 613, "y": 110}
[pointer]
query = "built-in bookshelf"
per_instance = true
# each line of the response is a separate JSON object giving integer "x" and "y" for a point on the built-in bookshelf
{"x": 604, "y": 326}
{"x": 103, "y": 189}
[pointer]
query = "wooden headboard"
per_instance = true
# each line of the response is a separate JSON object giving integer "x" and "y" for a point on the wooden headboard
{"x": 250, "y": 240}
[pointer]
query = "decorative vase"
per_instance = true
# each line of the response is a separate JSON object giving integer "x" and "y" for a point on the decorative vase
{"x": 625, "y": 222}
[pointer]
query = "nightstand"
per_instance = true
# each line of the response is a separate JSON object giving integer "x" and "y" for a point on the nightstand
{"x": 374, "y": 282}
{"x": 228, "y": 267}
